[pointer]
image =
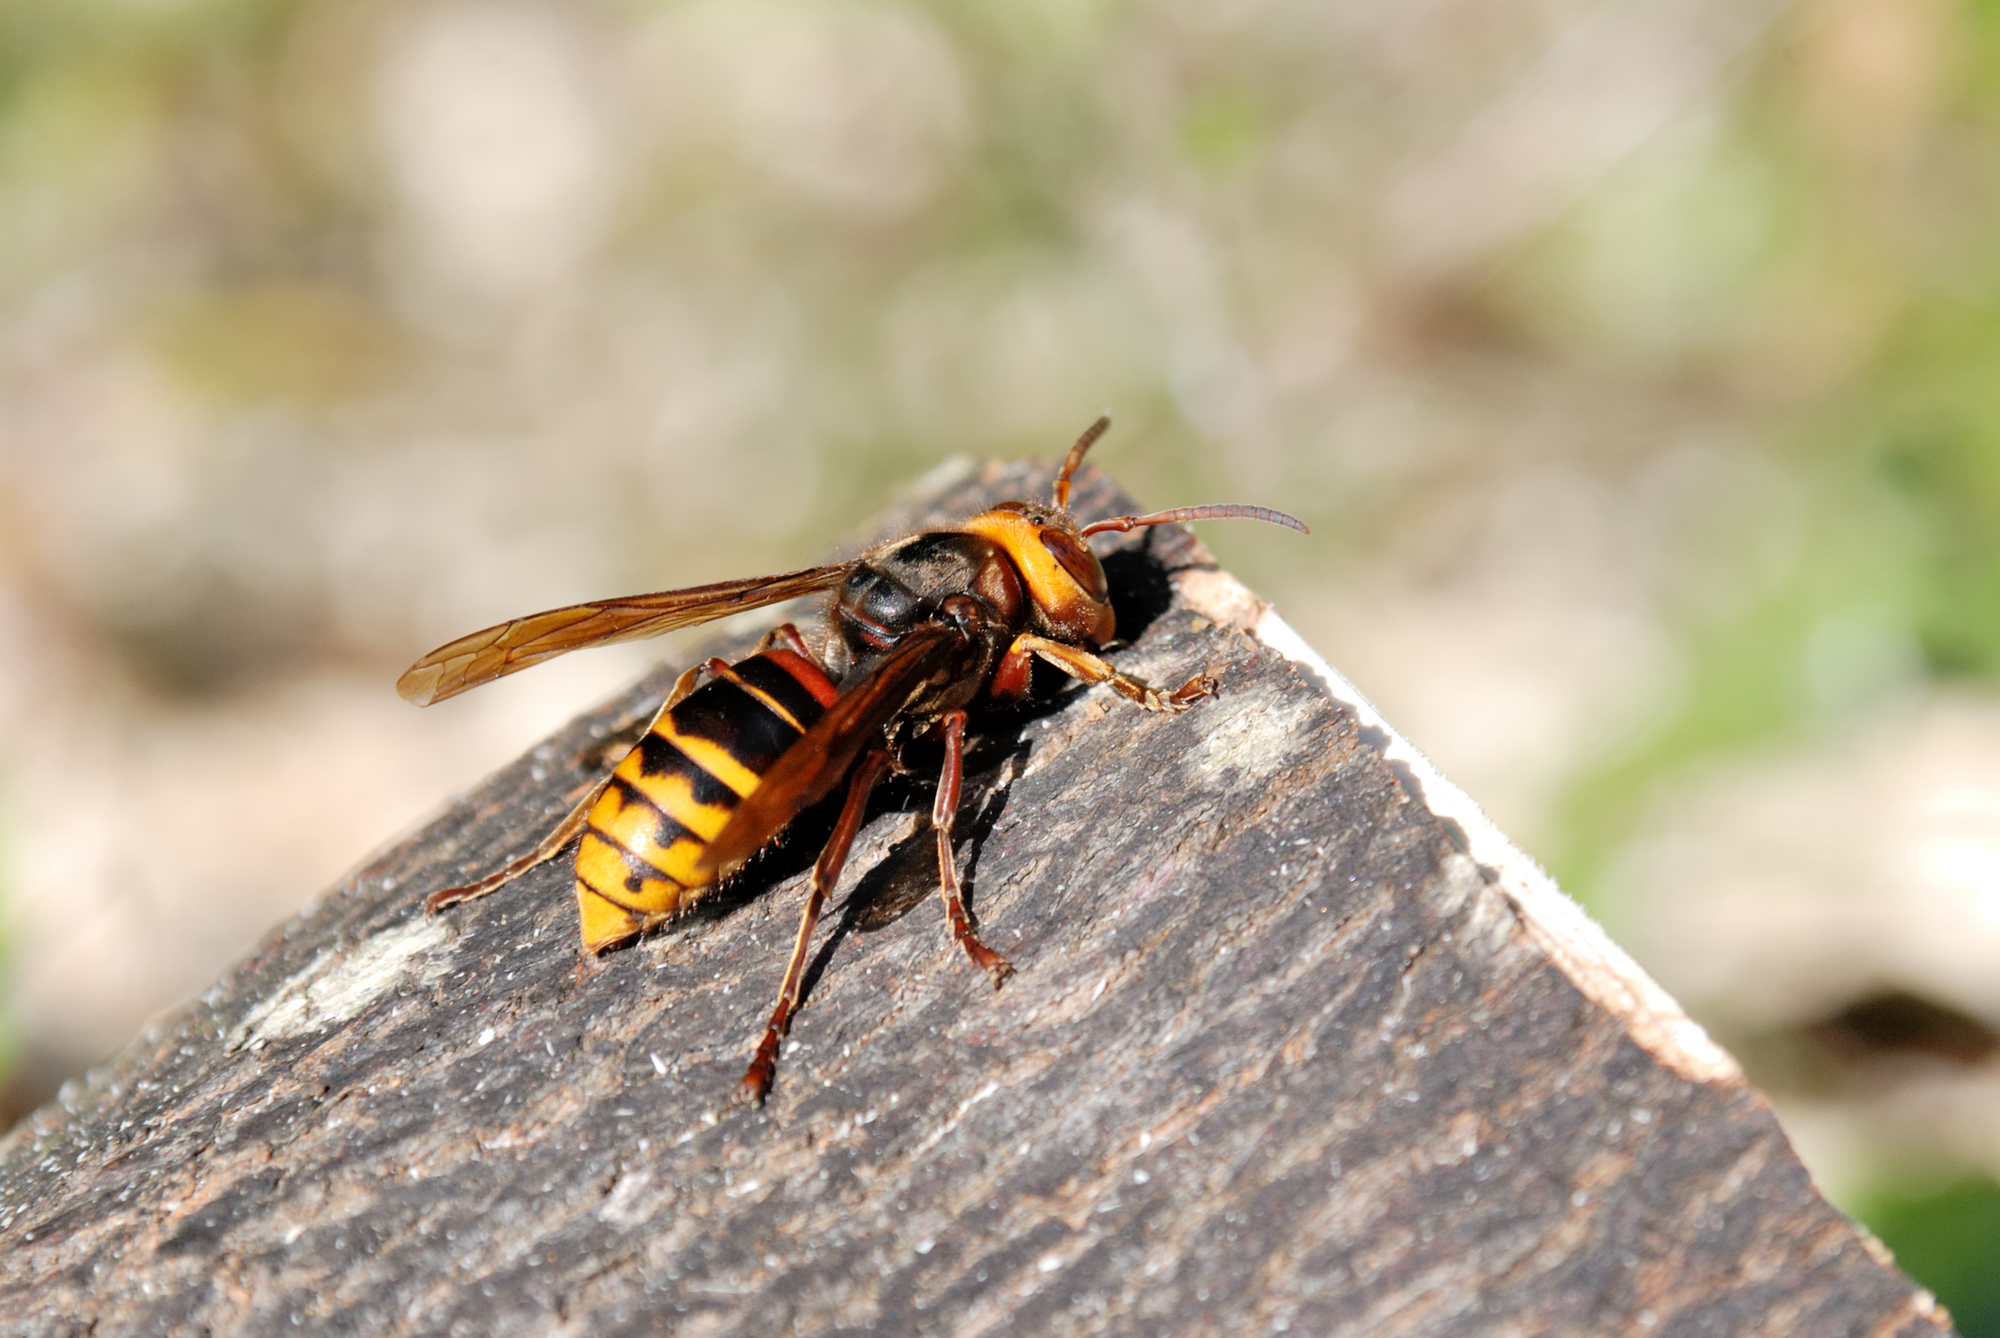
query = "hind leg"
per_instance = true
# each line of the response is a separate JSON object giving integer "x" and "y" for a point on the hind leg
{"x": 565, "y": 831}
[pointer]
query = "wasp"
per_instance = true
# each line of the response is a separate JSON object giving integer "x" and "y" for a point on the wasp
{"x": 922, "y": 632}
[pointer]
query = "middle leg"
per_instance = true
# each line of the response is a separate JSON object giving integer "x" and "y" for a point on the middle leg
{"x": 833, "y": 858}
{"x": 943, "y": 811}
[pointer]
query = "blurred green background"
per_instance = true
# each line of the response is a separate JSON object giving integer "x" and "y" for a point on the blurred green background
{"x": 1636, "y": 363}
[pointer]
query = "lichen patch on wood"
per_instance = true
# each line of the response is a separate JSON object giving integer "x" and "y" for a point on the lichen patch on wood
{"x": 338, "y": 984}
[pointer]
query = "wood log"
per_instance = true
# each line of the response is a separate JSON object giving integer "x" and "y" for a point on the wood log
{"x": 1297, "y": 1041}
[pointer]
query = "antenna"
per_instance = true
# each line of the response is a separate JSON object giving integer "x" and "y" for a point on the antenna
{"x": 1075, "y": 458}
{"x": 1214, "y": 511}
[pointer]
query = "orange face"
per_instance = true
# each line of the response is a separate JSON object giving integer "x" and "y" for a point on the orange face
{"x": 1068, "y": 596}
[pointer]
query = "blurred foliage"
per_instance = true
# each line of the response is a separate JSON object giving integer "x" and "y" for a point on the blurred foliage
{"x": 1891, "y": 574}
{"x": 1948, "y": 1238}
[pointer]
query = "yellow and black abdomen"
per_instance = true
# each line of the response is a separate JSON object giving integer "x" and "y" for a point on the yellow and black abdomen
{"x": 673, "y": 792}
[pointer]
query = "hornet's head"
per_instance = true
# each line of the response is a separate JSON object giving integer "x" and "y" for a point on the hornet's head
{"x": 1068, "y": 596}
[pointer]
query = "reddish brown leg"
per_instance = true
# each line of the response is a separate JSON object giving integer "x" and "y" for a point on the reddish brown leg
{"x": 1080, "y": 663}
{"x": 565, "y": 831}
{"x": 1013, "y": 676}
{"x": 943, "y": 811}
{"x": 787, "y": 636}
{"x": 551, "y": 846}
{"x": 689, "y": 681}
{"x": 757, "y": 1081}
{"x": 784, "y": 635}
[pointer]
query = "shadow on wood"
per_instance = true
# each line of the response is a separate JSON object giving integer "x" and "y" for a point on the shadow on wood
{"x": 1286, "y": 1049}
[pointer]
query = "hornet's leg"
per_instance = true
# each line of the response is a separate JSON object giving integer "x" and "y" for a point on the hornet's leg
{"x": 566, "y": 830}
{"x": 757, "y": 1081}
{"x": 551, "y": 846}
{"x": 942, "y": 812}
{"x": 688, "y": 682}
{"x": 1080, "y": 663}
{"x": 786, "y": 636}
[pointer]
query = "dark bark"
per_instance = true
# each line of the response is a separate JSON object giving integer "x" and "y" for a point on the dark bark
{"x": 1277, "y": 1055}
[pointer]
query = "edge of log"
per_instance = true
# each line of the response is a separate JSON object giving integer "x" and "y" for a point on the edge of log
{"x": 1288, "y": 1008}
{"x": 1602, "y": 971}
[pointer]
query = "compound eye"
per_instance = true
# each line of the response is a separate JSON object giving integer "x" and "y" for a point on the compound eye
{"x": 1010, "y": 506}
{"x": 1078, "y": 561}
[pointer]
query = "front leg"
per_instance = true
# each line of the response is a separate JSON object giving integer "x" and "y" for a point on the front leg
{"x": 1082, "y": 664}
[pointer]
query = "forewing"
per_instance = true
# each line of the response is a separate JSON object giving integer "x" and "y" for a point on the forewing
{"x": 815, "y": 764}
{"x": 511, "y": 646}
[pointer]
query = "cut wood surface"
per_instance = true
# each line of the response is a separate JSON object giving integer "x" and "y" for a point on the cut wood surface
{"x": 1296, "y": 1042}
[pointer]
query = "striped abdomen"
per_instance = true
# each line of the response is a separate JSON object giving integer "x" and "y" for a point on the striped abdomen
{"x": 677, "y": 787}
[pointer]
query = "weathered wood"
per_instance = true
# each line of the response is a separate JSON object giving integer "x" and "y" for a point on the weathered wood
{"x": 1286, "y": 1049}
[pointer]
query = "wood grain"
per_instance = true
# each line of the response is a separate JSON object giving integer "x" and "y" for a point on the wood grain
{"x": 1279, "y": 1056}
